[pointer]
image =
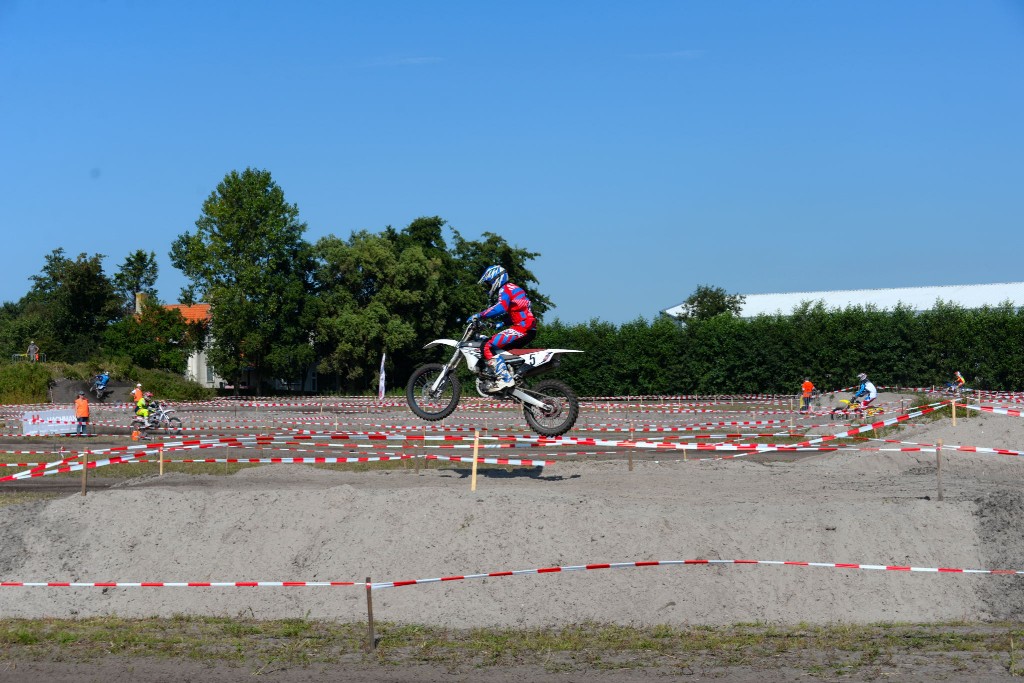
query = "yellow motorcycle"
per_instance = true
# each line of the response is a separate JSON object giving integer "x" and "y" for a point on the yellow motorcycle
{"x": 853, "y": 407}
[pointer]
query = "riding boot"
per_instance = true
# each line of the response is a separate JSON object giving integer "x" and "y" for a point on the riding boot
{"x": 503, "y": 379}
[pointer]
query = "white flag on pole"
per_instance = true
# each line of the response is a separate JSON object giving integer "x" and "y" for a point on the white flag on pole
{"x": 380, "y": 385}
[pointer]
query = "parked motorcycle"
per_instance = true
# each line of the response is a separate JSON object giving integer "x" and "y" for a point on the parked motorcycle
{"x": 550, "y": 406}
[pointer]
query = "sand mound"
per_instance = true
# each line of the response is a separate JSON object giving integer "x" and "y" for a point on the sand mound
{"x": 300, "y": 523}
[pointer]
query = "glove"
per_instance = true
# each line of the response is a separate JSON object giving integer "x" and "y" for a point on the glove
{"x": 474, "y": 319}
{"x": 498, "y": 326}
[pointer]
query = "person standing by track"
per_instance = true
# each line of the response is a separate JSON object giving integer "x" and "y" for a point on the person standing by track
{"x": 807, "y": 390}
{"x": 82, "y": 414}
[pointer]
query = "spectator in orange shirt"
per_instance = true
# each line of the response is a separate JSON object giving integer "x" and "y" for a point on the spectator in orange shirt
{"x": 808, "y": 389}
{"x": 82, "y": 413}
{"x": 137, "y": 393}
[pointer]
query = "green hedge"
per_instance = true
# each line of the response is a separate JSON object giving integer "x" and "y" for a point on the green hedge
{"x": 773, "y": 353}
{"x": 22, "y": 383}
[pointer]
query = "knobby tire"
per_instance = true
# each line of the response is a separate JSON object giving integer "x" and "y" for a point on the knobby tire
{"x": 422, "y": 403}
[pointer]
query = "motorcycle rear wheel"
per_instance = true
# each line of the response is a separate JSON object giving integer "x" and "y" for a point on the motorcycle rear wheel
{"x": 432, "y": 406}
{"x": 561, "y": 408}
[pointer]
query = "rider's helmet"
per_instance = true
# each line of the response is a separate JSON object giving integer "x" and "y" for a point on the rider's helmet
{"x": 862, "y": 377}
{"x": 495, "y": 277}
{"x": 148, "y": 394}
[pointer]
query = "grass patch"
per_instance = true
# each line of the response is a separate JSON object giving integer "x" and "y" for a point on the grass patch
{"x": 29, "y": 383}
{"x": 943, "y": 413}
{"x": 301, "y": 642}
{"x": 9, "y": 498}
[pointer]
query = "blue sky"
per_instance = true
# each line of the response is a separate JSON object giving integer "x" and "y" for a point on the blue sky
{"x": 642, "y": 148}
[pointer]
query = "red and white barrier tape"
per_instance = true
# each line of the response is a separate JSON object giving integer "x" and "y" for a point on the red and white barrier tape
{"x": 998, "y": 411}
{"x": 515, "y": 572}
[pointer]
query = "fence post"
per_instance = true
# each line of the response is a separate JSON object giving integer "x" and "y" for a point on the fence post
{"x": 85, "y": 468}
{"x": 629, "y": 455}
{"x": 476, "y": 451}
{"x": 371, "y": 640}
{"x": 938, "y": 465}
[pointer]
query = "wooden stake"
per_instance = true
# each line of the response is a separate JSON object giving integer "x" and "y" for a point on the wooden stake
{"x": 161, "y": 450}
{"x": 953, "y": 406}
{"x": 85, "y": 469}
{"x": 371, "y": 639}
{"x": 938, "y": 465}
{"x": 630, "y": 454}
{"x": 476, "y": 450}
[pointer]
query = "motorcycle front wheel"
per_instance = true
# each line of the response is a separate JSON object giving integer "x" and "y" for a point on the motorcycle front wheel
{"x": 432, "y": 405}
{"x": 561, "y": 408}
{"x": 138, "y": 425}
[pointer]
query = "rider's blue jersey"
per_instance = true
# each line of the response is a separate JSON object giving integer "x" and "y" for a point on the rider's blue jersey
{"x": 866, "y": 387}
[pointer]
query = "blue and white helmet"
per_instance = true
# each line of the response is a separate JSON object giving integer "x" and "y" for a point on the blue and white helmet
{"x": 496, "y": 277}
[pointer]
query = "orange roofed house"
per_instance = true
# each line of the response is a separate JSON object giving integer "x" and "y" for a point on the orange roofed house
{"x": 201, "y": 371}
{"x": 198, "y": 369}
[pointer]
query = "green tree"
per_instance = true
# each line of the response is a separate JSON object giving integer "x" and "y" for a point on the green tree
{"x": 157, "y": 338}
{"x": 137, "y": 275}
{"x": 706, "y": 302}
{"x": 373, "y": 299}
{"x": 70, "y": 305}
{"x": 249, "y": 261}
{"x": 473, "y": 257}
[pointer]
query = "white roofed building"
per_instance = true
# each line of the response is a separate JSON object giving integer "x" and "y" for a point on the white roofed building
{"x": 916, "y": 298}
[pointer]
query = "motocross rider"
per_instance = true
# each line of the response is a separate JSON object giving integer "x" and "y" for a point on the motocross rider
{"x": 958, "y": 381}
{"x": 142, "y": 407}
{"x": 514, "y": 306}
{"x": 102, "y": 379}
{"x": 866, "y": 389}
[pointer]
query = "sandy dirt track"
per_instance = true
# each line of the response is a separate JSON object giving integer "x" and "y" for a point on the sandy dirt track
{"x": 305, "y": 523}
{"x": 292, "y": 522}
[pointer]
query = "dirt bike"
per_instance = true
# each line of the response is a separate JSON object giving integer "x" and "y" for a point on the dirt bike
{"x": 99, "y": 389}
{"x": 952, "y": 389}
{"x": 854, "y": 407}
{"x": 159, "y": 418}
{"x": 550, "y": 406}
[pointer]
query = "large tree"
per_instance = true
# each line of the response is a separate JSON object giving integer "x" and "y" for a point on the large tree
{"x": 706, "y": 302}
{"x": 158, "y": 338}
{"x": 474, "y": 256}
{"x": 70, "y": 305}
{"x": 374, "y": 298}
{"x": 137, "y": 275}
{"x": 394, "y": 291}
{"x": 249, "y": 261}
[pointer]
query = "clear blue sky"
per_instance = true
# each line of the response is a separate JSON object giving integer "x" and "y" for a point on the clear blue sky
{"x": 643, "y": 148}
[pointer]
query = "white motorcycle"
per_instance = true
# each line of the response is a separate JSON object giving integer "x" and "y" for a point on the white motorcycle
{"x": 159, "y": 418}
{"x": 550, "y": 407}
